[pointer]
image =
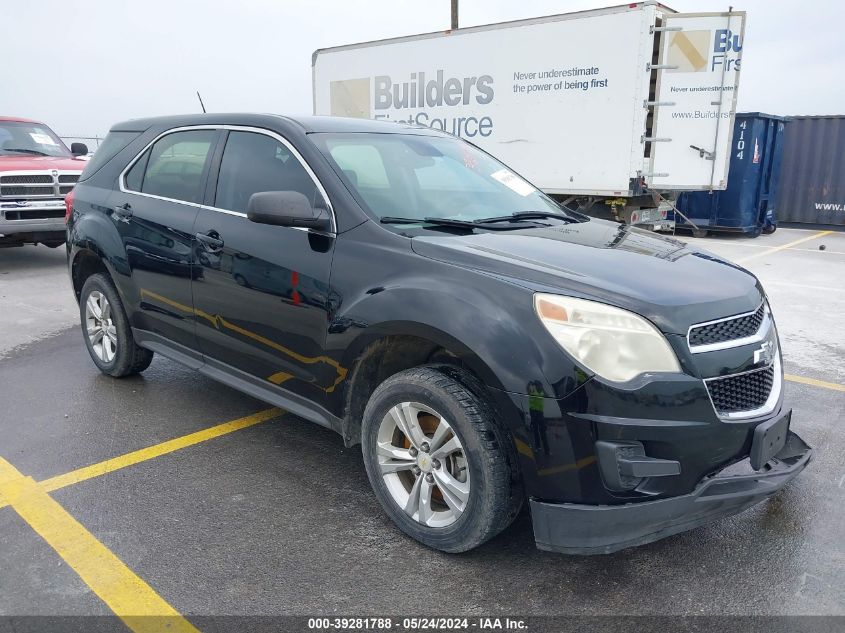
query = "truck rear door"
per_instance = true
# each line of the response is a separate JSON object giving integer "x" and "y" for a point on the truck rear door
{"x": 697, "y": 76}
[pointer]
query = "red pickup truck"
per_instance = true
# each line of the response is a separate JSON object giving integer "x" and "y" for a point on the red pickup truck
{"x": 37, "y": 171}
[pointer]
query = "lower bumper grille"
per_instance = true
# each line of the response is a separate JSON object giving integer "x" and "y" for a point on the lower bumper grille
{"x": 35, "y": 214}
{"x": 742, "y": 392}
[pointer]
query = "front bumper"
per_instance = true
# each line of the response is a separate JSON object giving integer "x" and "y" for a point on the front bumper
{"x": 602, "y": 529}
{"x": 29, "y": 231}
{"x": 32, "y": 216}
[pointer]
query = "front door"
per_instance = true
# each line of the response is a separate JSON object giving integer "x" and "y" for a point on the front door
{"x": 262, "y": 299}
{"x": 155, "y": 214}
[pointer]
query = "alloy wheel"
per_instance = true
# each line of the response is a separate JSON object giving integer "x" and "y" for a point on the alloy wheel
{"x": 100, "y": 328}
{"x": 423, "y": 464}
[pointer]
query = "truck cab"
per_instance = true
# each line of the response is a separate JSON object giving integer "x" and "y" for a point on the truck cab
{"x": 37, "y": 171}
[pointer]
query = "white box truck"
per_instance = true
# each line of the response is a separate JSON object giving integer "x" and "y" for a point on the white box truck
{"x": 622, "y": 106}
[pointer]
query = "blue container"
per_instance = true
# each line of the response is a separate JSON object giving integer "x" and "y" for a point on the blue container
{"x": 749, "y": 204}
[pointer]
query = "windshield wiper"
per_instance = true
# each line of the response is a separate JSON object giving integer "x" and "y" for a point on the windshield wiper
{"x": 461, "y": 224}
{"x": 389, "y": 219}
{"x": 25, "y": 151}
{"x": 529, "y": 215}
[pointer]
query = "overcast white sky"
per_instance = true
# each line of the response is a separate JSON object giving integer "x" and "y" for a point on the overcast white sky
{"x": 82, "y": 65}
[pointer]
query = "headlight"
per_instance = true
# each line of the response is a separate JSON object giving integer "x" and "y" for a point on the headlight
{"x": 613, "y": 343}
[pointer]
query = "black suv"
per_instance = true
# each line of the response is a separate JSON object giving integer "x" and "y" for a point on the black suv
{"x": 480, "y": 342}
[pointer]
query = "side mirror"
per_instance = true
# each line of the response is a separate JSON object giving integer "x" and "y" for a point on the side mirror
{"x": 286, "y": 208}
{"x": 78, "y": 149}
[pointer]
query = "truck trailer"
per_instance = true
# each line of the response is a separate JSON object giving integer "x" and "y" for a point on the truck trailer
{"x": 613, "y": 110}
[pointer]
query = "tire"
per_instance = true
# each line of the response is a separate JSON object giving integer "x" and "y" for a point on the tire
{"x": 769, "y": 229}
{"x": 53, "y": 244}
{"x": 115, "y": 334}
{"x": 458, "y": 515}
{"x": 699, "y": 232}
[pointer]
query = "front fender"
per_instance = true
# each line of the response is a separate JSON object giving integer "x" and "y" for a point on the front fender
{"x": 469, "y": 326}
{"x": 382, "y": 287}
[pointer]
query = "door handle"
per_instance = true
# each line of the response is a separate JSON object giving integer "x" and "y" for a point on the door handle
{"x": 211, "y": 241}
{"x": 124, "y": 211}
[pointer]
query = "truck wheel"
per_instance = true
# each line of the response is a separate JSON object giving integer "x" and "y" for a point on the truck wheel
{"x": 105, "y": 327}
{"x": 53, "y": 244}
{"x": 769, "y": 229}
{"x": 438, "y": 460}
{"x": 699, "y": 232}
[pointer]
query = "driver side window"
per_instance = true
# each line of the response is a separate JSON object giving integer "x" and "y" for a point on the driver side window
{"x": 254, "y": 162}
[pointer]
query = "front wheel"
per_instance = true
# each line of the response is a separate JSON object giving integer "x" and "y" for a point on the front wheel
{"x": 106, "y": 329}
{"x": 439, "y": 462}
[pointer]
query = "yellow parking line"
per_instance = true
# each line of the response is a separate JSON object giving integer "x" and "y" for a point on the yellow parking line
{"x": 814, "y": 382}
{"x": 129, "y": 597}
{"x": 144, "y": 454}
{"x": 775, "y": 249}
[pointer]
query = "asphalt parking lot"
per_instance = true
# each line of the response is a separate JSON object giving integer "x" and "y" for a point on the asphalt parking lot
{"x": 209, "y": 502}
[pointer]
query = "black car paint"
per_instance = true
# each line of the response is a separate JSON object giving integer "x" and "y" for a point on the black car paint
{"x": 307, "y": 306}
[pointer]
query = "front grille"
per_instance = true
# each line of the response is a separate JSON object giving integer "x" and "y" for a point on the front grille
{"x": 27, "y": 179}
{"x": 727, "y": 330}
{"x": 23, "y": 191}
{"x": 19, "y": 186}
{"x": 742, "y": 392}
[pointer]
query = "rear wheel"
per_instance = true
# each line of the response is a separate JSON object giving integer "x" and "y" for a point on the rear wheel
{"x": 106, "y": 329}
{"x": 699, "y": 232}
{"x": 769, "y": 229}
{"x": 438, "y": 461}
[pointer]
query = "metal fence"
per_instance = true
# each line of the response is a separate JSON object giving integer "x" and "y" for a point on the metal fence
{"x": 93, "y": 142}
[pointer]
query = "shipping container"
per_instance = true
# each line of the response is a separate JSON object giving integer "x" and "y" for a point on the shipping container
{"x": 609, "y": 105}
{"x": 812, "y": 179}
{"x": 749, "y": 204}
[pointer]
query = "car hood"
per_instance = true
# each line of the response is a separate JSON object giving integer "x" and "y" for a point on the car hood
{"x": 667, "y": 281}
{"x": 22, "y": 162}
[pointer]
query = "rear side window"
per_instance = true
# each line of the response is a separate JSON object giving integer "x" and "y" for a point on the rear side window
{"x": 135, "y": 177}
{"x": 255, "y": 162}
{"x": 108, "y": 149}
{"x": 174, "y": 166}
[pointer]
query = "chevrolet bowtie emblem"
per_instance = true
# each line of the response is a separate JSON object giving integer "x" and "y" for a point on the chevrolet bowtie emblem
{"x": 765, "y": 354}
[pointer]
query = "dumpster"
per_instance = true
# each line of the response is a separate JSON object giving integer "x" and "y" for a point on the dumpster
{"x": 749, "y": 203}
{"x": 812, "y": 175}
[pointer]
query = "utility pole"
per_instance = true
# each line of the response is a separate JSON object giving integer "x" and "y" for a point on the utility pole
{"x": 454, "y": 14}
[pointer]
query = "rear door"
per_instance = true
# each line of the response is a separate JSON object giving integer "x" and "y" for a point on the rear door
{"x": 154, "y": 212}
{"x": 262, "y": 300}
{"x": 695, "y": 102}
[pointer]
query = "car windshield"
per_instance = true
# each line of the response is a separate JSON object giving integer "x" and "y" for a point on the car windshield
{"x": 417, "y": 176}
{"x": 21, "y": 139}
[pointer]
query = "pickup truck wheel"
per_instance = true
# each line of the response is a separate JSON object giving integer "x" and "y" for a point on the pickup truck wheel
{"x": 438, "y": 460}
{"x": 105, "y": 327}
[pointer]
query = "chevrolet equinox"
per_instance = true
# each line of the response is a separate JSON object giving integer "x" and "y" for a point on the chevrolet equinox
{"x": 482, "y": 343}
